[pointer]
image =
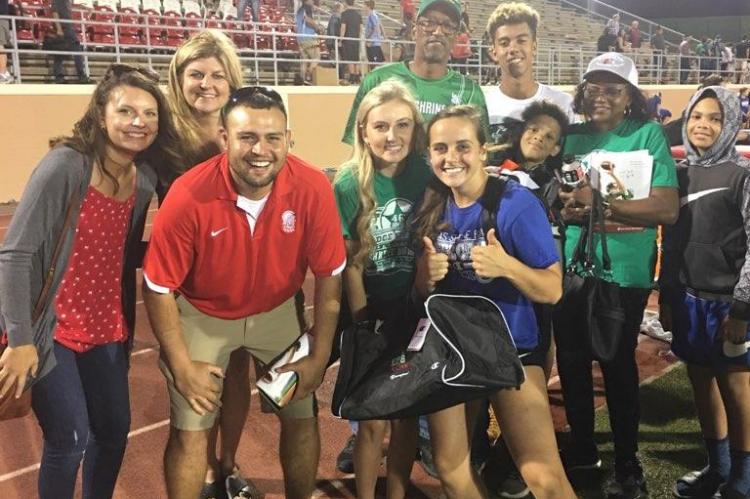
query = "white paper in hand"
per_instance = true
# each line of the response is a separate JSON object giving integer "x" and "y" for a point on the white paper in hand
{"x": 278, "y": 388}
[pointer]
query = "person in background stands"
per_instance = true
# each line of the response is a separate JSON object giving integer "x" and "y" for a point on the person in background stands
{"x": 374, "y": 34}
{"x": 658, "y": 49}
{"x": 465, "y": 15}
{"x": 254, "y": 10}
{"x": 684, "y": 59}
{"x": 333, "y": 29}
{"x": 408, "y": 13}
{"x": 613, "y": 25}
{"x": 742, "y": 49}
{"x": 461, "y": 51}
{"x": 5, "y": 41}
{"x": 351, "y": 28}
{"x": 61, "y": 9}
{"x": 309, "y": 49}
{"x": 634, "y": 35}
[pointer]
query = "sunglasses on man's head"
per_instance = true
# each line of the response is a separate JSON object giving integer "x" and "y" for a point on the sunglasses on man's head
{"x": 246, "y": 95}
{"x": 118, "y": 69}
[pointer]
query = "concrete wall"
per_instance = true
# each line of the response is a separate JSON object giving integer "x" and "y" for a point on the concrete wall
{"x": 31, "y": 114}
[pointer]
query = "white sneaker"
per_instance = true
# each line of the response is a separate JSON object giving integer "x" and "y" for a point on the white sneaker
{"x": 653, "y": 328}
{"x": 6, "y": 78}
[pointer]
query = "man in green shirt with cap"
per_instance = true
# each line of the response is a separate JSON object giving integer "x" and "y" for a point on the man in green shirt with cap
{"x": 433, "y": 84}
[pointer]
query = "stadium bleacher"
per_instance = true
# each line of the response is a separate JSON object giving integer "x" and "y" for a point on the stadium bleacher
{"x": 567, "y": 37}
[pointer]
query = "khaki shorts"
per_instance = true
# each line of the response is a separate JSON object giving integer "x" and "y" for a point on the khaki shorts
{"x": 310, "y": 49}
{"x": 212, "y": 340}
{"x": 5, "y": 38}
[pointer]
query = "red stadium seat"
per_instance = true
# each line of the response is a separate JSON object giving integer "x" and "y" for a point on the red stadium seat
{"x": 102, "y": 31}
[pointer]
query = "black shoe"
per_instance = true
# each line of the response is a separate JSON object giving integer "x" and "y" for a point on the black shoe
{"x": 513, "y": 485}
{"x": 727, "y": 493}
{"x": 425, "y": 457}
{"x": 85, "y": 81}
{"x": 698, "y": 484}
{"x": 628, "y": 483}
{"x": 345, "y": 460}
{"x": 575, "y": 459}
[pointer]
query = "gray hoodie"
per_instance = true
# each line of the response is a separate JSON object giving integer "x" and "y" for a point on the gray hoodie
{"x": 710, "y": 258}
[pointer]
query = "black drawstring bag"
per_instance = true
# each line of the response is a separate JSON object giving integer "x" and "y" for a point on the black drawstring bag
{"x": 591, "y": 297}
{"x": 468, "y": 353}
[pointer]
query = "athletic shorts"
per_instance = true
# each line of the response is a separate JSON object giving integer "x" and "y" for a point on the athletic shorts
{"x": 349, "y": 53}
{"x": 212, "y": 340}
{"x": 695, "y": 338}
{"x": 309, "y": 49}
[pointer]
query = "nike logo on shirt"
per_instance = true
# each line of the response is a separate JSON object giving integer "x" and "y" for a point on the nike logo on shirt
{"x": 215, "y": 233}
{"x": 697, "y": 195}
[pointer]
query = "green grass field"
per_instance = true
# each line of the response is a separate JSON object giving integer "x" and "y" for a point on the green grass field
{"x": 670, "y": 438}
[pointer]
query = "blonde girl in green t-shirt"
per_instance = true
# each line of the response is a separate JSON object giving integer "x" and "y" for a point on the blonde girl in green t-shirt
{"x": 375, "y": 190}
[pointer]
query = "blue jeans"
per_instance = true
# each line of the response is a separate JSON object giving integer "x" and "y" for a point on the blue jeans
{"x": 83, "y": 408}
{"x": 75, "y": 46}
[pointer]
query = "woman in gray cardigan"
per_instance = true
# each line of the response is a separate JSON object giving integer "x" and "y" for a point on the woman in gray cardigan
{"x": 74, "y": 353}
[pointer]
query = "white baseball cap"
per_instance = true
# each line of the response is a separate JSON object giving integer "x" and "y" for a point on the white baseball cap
{"x": 615, "y": 63}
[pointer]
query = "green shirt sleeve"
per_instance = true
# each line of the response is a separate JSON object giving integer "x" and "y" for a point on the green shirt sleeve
{"x": 664, "y": 174}
{"x": 347, "y": 202}
{"x": 367, "y": 84}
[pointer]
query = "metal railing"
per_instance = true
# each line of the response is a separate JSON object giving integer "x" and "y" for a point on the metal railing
{"x": 269, "y": 61}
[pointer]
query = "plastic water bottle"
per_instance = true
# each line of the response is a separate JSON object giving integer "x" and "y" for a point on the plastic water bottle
{"x": 572, "y": 172}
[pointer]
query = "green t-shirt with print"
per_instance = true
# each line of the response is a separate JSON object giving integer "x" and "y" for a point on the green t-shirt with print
{"x": 633, "y": 254}
{"x": 388, "y": 274}
{"x": 432, "y": 95}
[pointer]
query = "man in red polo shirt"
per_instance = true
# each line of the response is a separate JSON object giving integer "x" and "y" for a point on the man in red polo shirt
{"x": 235, "y": 237}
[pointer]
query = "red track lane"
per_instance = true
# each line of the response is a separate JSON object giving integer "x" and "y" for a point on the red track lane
{"x": 141, "y": 476}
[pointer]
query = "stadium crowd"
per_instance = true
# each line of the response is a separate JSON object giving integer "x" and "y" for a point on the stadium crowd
{"x": 542, "y": 203}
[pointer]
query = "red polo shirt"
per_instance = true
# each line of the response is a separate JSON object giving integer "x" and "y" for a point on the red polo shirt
{"x": 201, "y": 244}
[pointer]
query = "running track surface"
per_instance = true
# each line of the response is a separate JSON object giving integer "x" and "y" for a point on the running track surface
{"x": 141, "y": 476}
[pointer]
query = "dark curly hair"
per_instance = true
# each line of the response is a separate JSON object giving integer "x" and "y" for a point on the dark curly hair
{"x": 544, "y": 108}
{"x": 638, "y": 109}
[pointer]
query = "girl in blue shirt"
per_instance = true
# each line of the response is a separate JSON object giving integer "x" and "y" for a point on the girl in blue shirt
{"x": 514, "y": 264}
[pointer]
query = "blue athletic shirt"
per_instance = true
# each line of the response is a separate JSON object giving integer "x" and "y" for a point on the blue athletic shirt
{"x": 523, "y": 230}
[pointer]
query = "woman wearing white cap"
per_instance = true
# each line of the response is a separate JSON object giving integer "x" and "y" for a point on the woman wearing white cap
{"x": 616, "y": 131}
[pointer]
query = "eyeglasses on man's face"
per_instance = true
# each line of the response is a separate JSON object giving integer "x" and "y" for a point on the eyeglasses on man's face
{"x": 429, "y": 25}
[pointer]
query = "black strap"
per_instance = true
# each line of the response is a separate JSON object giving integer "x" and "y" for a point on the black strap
{"x": 606, "y": 262}
{"x": 490, "y": 201}
{"x": 596, "y": 218}
{"x": 41, "y": 301}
